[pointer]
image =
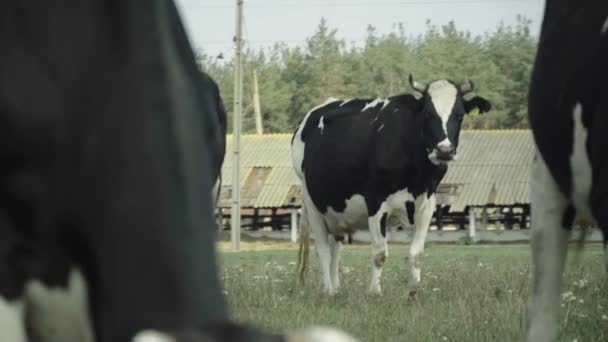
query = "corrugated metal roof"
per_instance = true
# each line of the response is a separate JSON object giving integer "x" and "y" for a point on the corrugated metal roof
{"x": 487, "y": 160}
{"x": 268, "y": 150}
{"x": 498, "y": 159}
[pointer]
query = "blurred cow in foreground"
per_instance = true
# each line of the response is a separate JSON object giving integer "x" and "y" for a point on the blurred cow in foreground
{"x": 107, "y": 140}
{"x": 568, "y": 108}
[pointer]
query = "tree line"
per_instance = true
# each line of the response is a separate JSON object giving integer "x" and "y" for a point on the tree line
{"x": 292, "y": 80}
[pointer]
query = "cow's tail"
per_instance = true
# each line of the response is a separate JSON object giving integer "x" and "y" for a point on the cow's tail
{"x": 303, "y": 252}
{"x": 216, "y": 208}
{"x": 219, "y": 189}
{"x": 585, "y": 227}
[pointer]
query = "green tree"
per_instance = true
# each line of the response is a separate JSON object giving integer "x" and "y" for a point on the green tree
{"x": 292, "y": 80}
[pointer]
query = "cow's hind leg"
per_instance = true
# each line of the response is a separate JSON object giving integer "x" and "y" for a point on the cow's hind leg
{"x": 422, "y": 220}
{"x": 12, "y": 308}
{"x": 319, "y": 232}
{"x": 12, "y": 327}
{"x": 335, "y": 248}
{"x": 377, "y": 229}
{"x": 551, "y": 221}
{"x": 59, "y": 313}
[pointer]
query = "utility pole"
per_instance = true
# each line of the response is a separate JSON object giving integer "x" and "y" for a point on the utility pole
{"x": 256, "y": 105}
{"x": 235, "y": 217}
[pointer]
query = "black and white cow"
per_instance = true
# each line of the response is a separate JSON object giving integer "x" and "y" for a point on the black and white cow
{"x": 568, "y": 111}
{"x": 363, "y": 163}
{"x": 106, "y": 160}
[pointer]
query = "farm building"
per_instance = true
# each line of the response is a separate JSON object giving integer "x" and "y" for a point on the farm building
{"x": 489, "y": 180}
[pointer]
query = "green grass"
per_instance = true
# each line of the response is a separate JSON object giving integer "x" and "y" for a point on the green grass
{"x": 468, "y": 293}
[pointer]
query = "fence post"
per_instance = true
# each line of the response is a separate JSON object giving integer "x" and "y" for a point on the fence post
{"x": 472, "y": 225}
{"x": 484, "y": 218}
{"x": 294, "y": 226}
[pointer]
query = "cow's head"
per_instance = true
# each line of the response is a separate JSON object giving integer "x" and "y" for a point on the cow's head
{"x": 444, "y": 107}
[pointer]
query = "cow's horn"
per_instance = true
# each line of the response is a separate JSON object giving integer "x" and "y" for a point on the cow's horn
{"x": 467, "y": 87}
{"x": 417, "y": 86}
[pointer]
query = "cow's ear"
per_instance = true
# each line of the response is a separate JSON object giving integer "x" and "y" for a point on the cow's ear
{"x": 477, "y": 105}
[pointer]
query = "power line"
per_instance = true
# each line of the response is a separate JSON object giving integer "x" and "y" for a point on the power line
{"x": 368, "y": 4}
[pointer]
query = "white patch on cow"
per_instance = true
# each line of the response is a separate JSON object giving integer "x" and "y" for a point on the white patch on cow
{"x": 152, "y": 336}
{"x": 372, "y": 104}
{"x": 433, "y": 157}
{"x": 580, "y": 165}
{"x": 353, "y": 217}
{"x": 380, "y": 128}
{"x": 605, "y": 26}
{"x": 433, "y": 154}
{"x": 385, "y": 103}
{"x": 444, "y": 143}
{"x": 321, "y": 124}
{"x": 345, "y": 102}
{"x": 443, "y": 95}
{"x": 298, "y": 146}
{"x": 59, "y": 314}
{"x": 319, "y": 334}
{"x": 398, "y": 198}
{"x": 12, "y": 327}
{"x": 549, "y": 247}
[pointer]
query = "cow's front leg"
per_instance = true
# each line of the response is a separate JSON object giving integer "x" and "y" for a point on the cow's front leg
{"x": 551, "y": 220}
{"x": 422, "y": 220}
{"x": 377, "y": 229}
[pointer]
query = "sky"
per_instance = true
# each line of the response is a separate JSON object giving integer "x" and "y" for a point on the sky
{"x": 211, "y": 23}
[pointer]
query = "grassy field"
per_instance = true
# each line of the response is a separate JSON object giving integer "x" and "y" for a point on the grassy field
{"x": 469, "y": 293}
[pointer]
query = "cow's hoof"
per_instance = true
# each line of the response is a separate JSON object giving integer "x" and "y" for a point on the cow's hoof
{"x": 413, "y": 294}
{"x": 330, "y": 292}
{"x": 375, "y": 292}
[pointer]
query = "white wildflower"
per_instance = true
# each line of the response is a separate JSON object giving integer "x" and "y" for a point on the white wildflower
{"x": 581, "y": 283}
{"x": 568, "y": 296}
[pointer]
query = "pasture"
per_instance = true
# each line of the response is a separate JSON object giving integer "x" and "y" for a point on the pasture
{"x": 468, "y": 293}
